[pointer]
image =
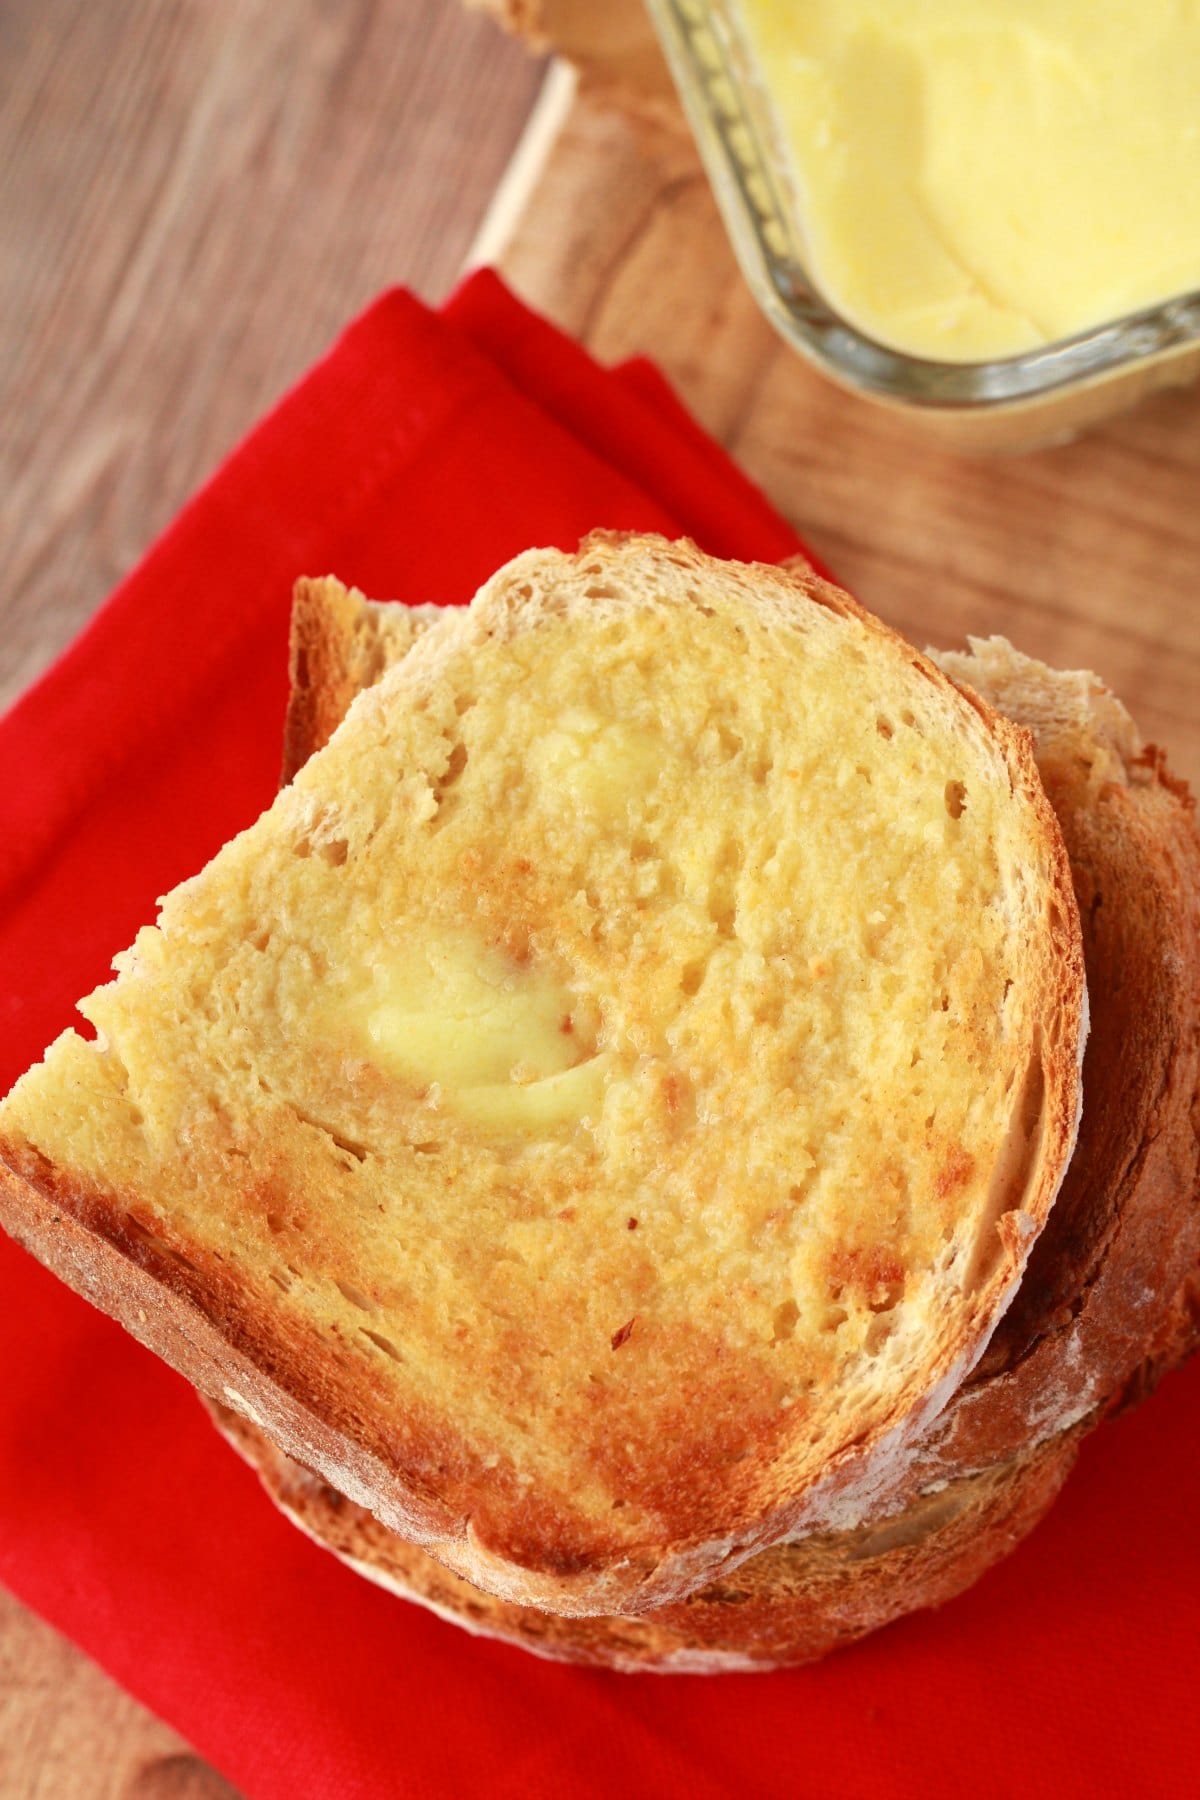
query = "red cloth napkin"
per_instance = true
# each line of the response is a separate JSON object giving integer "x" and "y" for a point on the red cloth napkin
{"x": 423, "y": 451}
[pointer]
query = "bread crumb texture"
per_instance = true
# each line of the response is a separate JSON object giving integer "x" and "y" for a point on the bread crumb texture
{"x": 648, "y": 887}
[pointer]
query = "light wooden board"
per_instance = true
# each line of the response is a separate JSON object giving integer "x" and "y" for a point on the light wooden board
{"x": 1087, "y": 555}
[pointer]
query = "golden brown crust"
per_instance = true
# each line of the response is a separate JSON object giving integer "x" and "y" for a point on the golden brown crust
{"x": 181, "y": 1312}
{"x": 788, "y": 1606}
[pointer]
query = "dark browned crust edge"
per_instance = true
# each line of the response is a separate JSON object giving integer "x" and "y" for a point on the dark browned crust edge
{"x": 789, "y": 1606}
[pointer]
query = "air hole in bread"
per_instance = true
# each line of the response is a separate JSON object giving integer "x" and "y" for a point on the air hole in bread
{"x": 382, "y": 1343}
{"x": 144, "y": 1235}
{"x": 302, "y": 847}
{"x": 43, "y": 1162}
{"x": 334, "y": 851}
{"x": 430, "y": 1148}
{"x": 835, "y": 1317}
{"x": 878, "y": 1333}
{"x": 455, "y": 765}
{"x": 282, "y": 1280}
{"x": 884, "y": 727}
{"x": 724, "y": 917}
{"x": 347, "y": 1145}
{"x": 692, "y": 977}
{"x": 887, "y": 1296}
{"x": 722, "y": 900}
{"x": 786, "y": 1316}
{"x": 1015, "y": 1166}
{"x": 724, "y": 1596}
{"x": 956, "y": 798}
{"x": 355, "y": 1296}
{"x": 913, "y": 1526}
{"x": 731, "y": 744}
{"x": 908, "y": 717}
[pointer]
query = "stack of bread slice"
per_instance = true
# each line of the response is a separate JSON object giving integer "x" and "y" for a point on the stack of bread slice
{"x": 606, "y": 1137}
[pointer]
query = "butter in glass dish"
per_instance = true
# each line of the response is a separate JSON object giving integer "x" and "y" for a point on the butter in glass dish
{"x": 985, "y": 211}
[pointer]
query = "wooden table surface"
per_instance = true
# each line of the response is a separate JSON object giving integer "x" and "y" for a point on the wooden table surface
{"x": 201, "y": 191}
{"x": 195, "y": 195}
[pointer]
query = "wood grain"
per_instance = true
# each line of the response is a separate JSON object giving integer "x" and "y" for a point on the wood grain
{"x": 1087, "y": 555}
{"x": 66, "y": 1730}
{"x": 195, "y": 195}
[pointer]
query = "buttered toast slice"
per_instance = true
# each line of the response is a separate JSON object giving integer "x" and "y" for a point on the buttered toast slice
{"x": 616, "y": 1085}
{"x": 1108, "y": 1301}
{"x": 1105, "y": 1304}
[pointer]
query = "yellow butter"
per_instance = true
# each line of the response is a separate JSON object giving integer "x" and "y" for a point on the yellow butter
{"x": 595, "y": 765}
{"x": 978, "y": 178}
{"x": 498, "y": 1040}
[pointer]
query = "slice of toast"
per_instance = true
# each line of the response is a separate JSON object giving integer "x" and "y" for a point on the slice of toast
{"x": 1102, "y": 1308}
{"x": 1100, "y": 1314}
{"x": 1107, "y": 1303}
{"x": 616, "y": 1085}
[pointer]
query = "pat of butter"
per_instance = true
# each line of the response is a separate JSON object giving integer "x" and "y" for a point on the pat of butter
{"x": 498, "y": 1040}
{"x": 597, "y": 765}
{"x": 978, "y": 178}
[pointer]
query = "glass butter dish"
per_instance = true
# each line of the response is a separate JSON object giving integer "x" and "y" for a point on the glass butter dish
{"x": 1043, "y": 392}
